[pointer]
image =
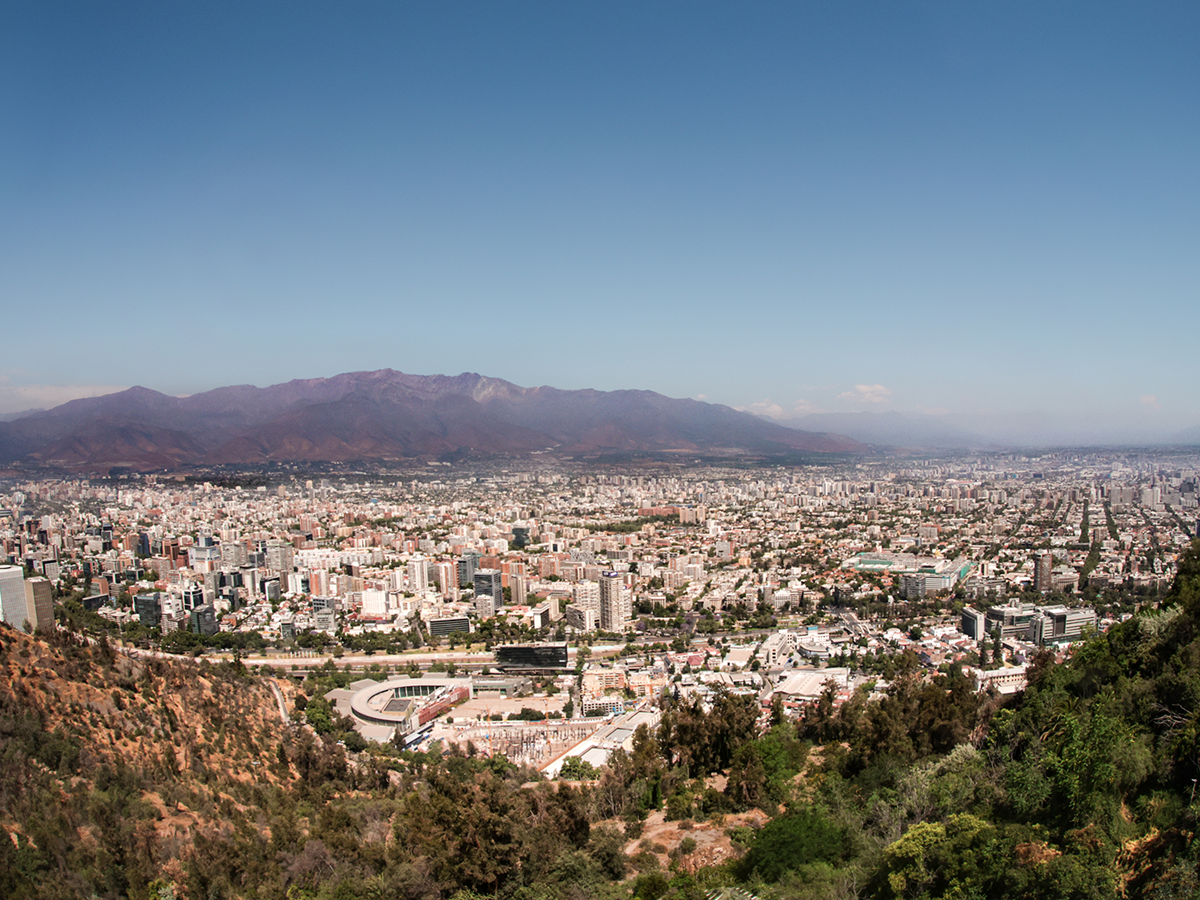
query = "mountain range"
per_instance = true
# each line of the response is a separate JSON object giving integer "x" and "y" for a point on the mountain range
{"x": 384, "y": 415}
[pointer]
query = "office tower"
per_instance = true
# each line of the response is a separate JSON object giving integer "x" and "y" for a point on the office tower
{"x": 203, "y": 620}
{"x": 39, "y": 602}
{"x": 148, "y": 608}
{"x": 973, "y": 623}
{"x": 487, "y": 581}
{"x": 204, "y": 555}
{"x": 466, "y": 569}
{"x": 193, "y": 596}
{"x": 12, "y": 596}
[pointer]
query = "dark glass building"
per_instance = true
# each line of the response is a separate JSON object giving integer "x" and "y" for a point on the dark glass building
{"x": 532, "y": 656}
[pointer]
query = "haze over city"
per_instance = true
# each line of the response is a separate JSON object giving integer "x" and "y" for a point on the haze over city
{"x": 981, "y": 214}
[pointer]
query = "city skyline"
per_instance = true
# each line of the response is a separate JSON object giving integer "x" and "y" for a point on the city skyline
{"x": 958, "y": 212}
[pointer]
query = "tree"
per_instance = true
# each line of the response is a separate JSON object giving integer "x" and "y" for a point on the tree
{"x": 802, "y": 837}
{"x": 575, "y": 768}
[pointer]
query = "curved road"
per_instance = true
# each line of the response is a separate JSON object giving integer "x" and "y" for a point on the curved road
{"x": 279, "y": 699}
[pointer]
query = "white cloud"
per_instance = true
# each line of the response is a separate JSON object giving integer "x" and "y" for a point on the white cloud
{"x": 20, "y": 397}
{"x": 1149, "y": 401}
{"x": 867, "y": 393}
{"x": 763, "y": 408}
{"x": 804, "y": 408}
{"x": 702, "y": 396}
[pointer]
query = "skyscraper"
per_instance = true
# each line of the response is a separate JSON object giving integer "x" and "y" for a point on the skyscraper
{"x": 12, "y": 596}
{"x": 1043, "y": 572}
{"x": 39, "y": 602}
{"x": 466, "y": 569}
{"x": 487, "y": 581}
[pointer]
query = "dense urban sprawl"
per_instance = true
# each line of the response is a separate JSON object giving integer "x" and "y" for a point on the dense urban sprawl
{"x": 784, "y": 581}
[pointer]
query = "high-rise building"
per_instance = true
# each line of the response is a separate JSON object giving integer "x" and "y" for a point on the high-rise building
{"x": 487, "y": 581}
{"x": 446, "y": 576}
{"x": 12, "y": 596}
{"x": 280, "y": 556}
{"x": 233, "y": 554}
{"x": 613, "y": 614}
{"x": 148, "y": 608}
{"x": 466, "y": 569}
{"x": 204, "y": 555}
{"x": 1043, "y": 572}
{"x": 172, "y": 616}
{"x": 418, "y": 574}
{"x": 203, "y": 619}
{"x": 586, "y": 595}
{"x": 39, "y": 602}
{"x": 193, "y": 596}
{"x": 518, "y": 586}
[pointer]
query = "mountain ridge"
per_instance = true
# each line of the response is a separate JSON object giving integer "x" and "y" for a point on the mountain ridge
{"x": 384, "y": 414}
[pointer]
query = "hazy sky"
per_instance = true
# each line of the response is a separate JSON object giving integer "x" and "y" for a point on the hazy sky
{"x": 916, "y": 206}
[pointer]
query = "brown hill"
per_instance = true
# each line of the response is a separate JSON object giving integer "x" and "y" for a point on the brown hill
{"x": 115, "y": 770}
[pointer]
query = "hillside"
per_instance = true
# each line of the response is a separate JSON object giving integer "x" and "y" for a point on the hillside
{"x": 155, "y": 778}
{"x": 116, "y": 771}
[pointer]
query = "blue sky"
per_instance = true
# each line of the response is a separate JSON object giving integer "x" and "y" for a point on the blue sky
{"x": 789, "y": 206}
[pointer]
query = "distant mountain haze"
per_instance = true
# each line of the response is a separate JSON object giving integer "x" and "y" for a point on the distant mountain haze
{"x": 994, "y": 431}
{"x": 894, "y": 429}
{"x": 384, "y": 415}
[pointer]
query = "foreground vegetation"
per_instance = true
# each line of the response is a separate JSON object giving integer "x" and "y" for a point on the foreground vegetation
{"x": 146, "y": 778}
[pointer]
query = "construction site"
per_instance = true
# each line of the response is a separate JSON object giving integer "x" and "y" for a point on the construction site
{"x": 524, "y": 743}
